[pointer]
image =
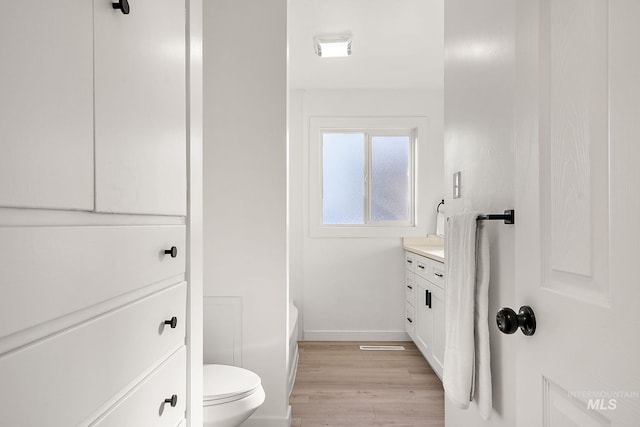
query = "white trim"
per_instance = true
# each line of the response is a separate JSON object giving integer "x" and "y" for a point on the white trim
{"x": 419, "y": 125}
{"x": 28, "y": 217}
{"x": 195, "y": 202}
{"x": 269, "y": 421}
{"x": 353, "y": 335}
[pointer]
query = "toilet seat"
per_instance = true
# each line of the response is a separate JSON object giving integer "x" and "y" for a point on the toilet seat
{"x": 224, "y": 384}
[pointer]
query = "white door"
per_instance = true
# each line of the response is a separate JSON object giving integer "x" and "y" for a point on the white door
{"x": 140, "y": 107}
{"x": 578, "y": 212}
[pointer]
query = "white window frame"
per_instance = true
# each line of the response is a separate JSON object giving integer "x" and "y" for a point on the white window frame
{"x": 370, "y": 126}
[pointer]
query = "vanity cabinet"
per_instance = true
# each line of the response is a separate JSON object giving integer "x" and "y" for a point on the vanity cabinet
{"x": 410, "y": 294}
{"x": 426, "y": 302}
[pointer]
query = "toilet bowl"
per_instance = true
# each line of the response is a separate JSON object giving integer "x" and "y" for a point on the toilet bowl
{"x": 230, "y": 395}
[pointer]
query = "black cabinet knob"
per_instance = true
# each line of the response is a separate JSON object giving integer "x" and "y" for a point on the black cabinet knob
{"x": 123, "y": 5}
{"x": 173, "y": 322}
{"x": 173, "y": 252}
{"x": 173, "y": 401}
{"x": 509, "y": 322}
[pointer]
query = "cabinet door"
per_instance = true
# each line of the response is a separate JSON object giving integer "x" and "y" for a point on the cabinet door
{"x": 437, "y": 346}
{"x": 46, "y": 104}
{"x": 140, "y": 107}
{"x": 424, "y": 318}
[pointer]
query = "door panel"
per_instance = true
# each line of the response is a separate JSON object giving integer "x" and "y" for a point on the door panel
{"x": 562, "y": 409}
{"x": 577, "y": 109}
{"x": 574, "y": 161}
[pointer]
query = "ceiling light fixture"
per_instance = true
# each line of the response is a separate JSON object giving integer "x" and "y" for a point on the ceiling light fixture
{"x": 332, "y": 46}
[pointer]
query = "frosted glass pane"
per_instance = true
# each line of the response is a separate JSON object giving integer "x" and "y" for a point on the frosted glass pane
{"x": 343, "y": 178}
{"x": 390, "y": 178}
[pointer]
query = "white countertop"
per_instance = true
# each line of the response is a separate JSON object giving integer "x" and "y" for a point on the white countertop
{"x": 430, "y": 246}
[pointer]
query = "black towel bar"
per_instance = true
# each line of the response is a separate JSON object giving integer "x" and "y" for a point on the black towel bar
{"x": 509, "y": 217}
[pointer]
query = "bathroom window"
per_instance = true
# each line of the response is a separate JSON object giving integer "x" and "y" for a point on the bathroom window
{"x": 366, "y": 177}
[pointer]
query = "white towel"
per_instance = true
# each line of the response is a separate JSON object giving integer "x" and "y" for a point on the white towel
{"x": 467, "y": 371}
{"x": 483, "y": 394}
{"x": 440, "y": 220}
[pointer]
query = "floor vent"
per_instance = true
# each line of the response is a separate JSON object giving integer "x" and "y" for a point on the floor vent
{"x": 382, "y": 347}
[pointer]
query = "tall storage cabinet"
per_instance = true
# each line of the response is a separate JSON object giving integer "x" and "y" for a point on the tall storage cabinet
{"x": 93, "y": 129}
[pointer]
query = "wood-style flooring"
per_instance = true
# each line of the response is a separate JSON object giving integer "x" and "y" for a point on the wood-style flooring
{"x": 339, "y": 385}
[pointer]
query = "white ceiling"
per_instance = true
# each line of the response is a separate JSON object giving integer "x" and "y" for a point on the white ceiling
{"x": 397, "y": 44}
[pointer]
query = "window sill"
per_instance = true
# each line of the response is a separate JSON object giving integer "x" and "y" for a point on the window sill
{"x": 321, "y": 231}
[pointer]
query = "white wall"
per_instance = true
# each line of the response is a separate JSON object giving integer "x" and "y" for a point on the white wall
{"x": 351, "y": 288}
{"x": 479, "y": 141}
{"x": 245, "y": 236}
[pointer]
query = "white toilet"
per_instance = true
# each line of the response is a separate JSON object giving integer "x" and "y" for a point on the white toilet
{"x": 231, "y": 395}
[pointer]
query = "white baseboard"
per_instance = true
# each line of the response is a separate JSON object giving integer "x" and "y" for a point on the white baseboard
{"x": 269, "y": 421}
{"x": 323, "y": 335}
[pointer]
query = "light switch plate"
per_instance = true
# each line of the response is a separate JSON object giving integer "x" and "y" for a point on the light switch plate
{"x": 457, "y": 184}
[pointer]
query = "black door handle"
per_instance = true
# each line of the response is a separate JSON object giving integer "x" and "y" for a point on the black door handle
{"x": 123, "y": 5}
{"x": 509, "y": 322}
{"x": 428, "y": 298}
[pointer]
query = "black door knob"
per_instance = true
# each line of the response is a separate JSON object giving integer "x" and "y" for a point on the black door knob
{"x": 173, "y": 322}
{"x": 123, "y": 5}
{"x": 173, "y": 252}
{"x": 173, "y": 401}
{"x": 509, "y": 322}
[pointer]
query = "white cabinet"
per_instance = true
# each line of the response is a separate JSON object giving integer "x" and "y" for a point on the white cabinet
{"x": 140, "y": 107}
{"x": 62, "y": 379}
{"x": 150, "y": 403}
{"x": 430, "y": 328}
{"x": 410, "y": 294}
{"x": 93, "y": 118}
{"x": 46, "y": 104}
{"x": 428, "y": 325}
{"x": 93, "y": 111}
{"x": 79, "y": 267}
